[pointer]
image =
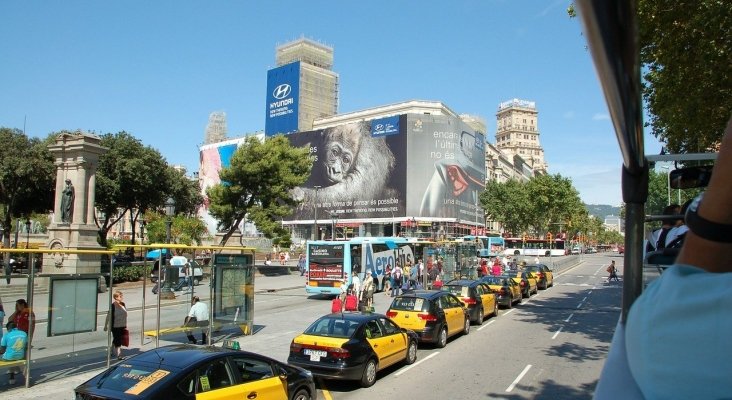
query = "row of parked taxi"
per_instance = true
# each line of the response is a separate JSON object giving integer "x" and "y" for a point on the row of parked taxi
{"x": 355, "y": 346}
{"x": 350, "y": 345}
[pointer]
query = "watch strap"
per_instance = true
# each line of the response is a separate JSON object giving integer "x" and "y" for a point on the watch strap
{"x": 706, "y": 229}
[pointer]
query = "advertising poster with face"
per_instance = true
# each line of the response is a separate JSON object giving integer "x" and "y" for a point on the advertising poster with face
{"x": 359, "y": 171}
{"x": 446, "y": 168}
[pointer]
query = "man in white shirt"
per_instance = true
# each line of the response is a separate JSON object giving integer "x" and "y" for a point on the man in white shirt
{"x": 356, "y": 281}
{"x": 197, "y": 316}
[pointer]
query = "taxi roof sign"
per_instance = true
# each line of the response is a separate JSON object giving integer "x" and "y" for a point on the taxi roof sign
{"x": 232, "y": 345}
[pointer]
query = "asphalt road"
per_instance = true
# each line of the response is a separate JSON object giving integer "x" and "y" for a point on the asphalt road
{"x": 551, "y": 346}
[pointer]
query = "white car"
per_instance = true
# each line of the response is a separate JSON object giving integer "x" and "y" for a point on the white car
{"x": 576, "y": 250}
{"x": 181, "y": 262}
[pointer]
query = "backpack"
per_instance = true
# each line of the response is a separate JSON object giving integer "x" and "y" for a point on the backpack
{"x": 351, "y": 303}
{"x": 609, "y": 269}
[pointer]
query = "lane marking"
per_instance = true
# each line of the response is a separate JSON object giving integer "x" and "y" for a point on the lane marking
{"x": 417, "y": 363}
{"x": 509, "y": 311}
{"x": 518, "y": 378}
{"x": 583, "y": 300}
{"x": 556, "y": 333}
{"x": 579, "y": 305}
{"x": 326, "y": 393}
{"x": 489, "y": 322}
{"x": 570, "y": 317}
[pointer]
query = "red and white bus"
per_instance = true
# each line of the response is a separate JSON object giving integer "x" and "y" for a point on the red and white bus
{"x": 534, "y": 247}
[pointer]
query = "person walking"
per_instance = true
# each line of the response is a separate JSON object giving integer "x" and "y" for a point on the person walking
{"x": 301, "y": 264}
{"x": 117, "y": 323}
{"x": 12, "y": 348}
{"x": 397, "y": 280}
{"x": 612, "y": 271}
{"x": 197, "y": 317}
{"x": 388, "y": 281}
{"x": 367, "y": 294}
{"x": 356, "y": 282}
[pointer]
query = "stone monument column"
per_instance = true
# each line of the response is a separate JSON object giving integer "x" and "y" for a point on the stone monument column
{"x": 76, "y": 159}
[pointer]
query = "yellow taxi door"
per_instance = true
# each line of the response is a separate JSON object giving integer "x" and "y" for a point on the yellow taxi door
{"x": 257, "y": 379}
{"x": 453, "y": 313}
{"x": 269, "y": 388}
{"x": 486, "y": 298}
{"x": 378, "y": 342}
{"x": 398, "y": 340}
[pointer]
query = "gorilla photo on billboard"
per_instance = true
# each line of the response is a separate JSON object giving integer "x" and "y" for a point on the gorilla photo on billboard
{"x": 351, "y": 168}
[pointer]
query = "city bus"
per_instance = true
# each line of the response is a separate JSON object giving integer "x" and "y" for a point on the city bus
{"x": 487, "y": 246}
{"x": 534, "y": 247}
{"x": 328, "y": 262}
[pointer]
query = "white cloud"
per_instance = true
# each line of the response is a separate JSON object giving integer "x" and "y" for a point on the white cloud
{"x": 600, "y": 117}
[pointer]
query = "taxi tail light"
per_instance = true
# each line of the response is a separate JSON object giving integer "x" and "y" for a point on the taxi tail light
{"x": 469, "y": 301}
{"x": 338, "y": 352}
{"x": 503, "y": 292}
{"x": 391, "y": 314}
{"x": 295, "y": 347}
{"x": 426, "y": 316}
{"x": 523, "y": 283}
{"x": 541, "y": 275}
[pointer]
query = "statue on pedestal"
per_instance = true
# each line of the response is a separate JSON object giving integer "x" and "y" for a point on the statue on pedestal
{"x": 67, "y": 202}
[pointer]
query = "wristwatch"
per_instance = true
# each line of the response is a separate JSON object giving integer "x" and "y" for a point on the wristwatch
{"x": 704, "y": 228}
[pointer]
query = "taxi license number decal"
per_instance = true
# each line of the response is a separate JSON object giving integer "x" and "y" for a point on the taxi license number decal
{"x": 147, "y": 381}
{"x": 315, "y": 354}
{"x": 205, "y": 386}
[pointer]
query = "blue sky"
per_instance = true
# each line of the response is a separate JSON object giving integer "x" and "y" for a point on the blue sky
{"x": 157, "y": 69}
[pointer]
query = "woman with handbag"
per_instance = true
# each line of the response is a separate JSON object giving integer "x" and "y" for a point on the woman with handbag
{"x": 117, "y": 321}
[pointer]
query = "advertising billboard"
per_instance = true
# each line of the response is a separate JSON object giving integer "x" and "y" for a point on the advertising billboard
{"x": 283, "y": 94}
{"x": 213, "y": 157}
{"x": 358, "y": 172}
{"x": 446, "y": 168}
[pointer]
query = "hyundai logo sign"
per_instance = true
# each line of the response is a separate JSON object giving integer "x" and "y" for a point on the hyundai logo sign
{"x": 282, "y": 91}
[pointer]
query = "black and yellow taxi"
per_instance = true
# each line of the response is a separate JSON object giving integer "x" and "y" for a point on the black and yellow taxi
{"x": 507, "y": 291}
{"x": 476, "y": 296}
{"x": 527, "y": 282}
{"x": 434, "y": 315}
{"x": 203, "y": 373}
{"x": 542, "y": 273}
{"x": 352, "y": 346}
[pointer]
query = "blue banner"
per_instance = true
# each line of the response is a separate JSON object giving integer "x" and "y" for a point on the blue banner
{"x": 283, "y": 92}
{"x": 385, "y": 126}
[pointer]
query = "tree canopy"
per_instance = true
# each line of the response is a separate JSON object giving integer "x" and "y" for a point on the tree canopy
{"x": 257, "y": 185}
{"x": 685, "y": 50}
{"x": 27, "y": 176}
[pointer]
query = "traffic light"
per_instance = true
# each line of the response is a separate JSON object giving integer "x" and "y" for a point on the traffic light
{"x": 549, "y": 236}
{"x": 524, "y": 237}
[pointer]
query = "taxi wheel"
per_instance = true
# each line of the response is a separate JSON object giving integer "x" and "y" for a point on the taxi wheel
{"x": 369, "y": 373}
{"x": 480, "y": 317}
{"x": 302, "y": 394}
{"x": 510, "y": 302}
{"x": 442, "y": 338}
{"x": 411, "y": 352}
{"x": 466, "y": 327}
{"x": 495, "y": 309}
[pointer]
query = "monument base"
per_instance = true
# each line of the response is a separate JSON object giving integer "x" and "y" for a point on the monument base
{"x": 76, "y": 237}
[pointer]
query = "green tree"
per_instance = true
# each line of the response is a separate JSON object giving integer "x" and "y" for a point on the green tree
{"x": 184, "y": 229}
{"x": 258, "y": 185}
{"x": 27, "y": 177}
{"x": 553, "y": 200}
{"x": 508, "y": 204}
{"x": 185, "y": 192}
{"x": 685, "y": 49}
{"x": 131, "y": 178}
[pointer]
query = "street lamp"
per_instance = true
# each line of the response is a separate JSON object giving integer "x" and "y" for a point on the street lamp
{"x": 166, "y": 291}
{"x": 334, "y": 219}
{"x": 316, "y": 232}
{"x": 668, "y": 183}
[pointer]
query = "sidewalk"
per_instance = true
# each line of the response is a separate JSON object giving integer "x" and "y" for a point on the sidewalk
{"x": 61, "y": 372}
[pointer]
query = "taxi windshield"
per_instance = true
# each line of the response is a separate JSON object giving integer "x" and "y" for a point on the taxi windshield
{"x": 457, "y": 290}
{"x": 332, "y": 327}
{"x": 131, "y": 379}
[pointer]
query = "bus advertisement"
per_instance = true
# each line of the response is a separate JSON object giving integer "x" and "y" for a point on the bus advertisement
{"x": 534, "y": 247}
{"x": 488, "y": 246}
{"x": 329, "y": 262}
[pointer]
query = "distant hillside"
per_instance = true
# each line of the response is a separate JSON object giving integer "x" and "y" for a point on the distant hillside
{"x": 602, "y": 210}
